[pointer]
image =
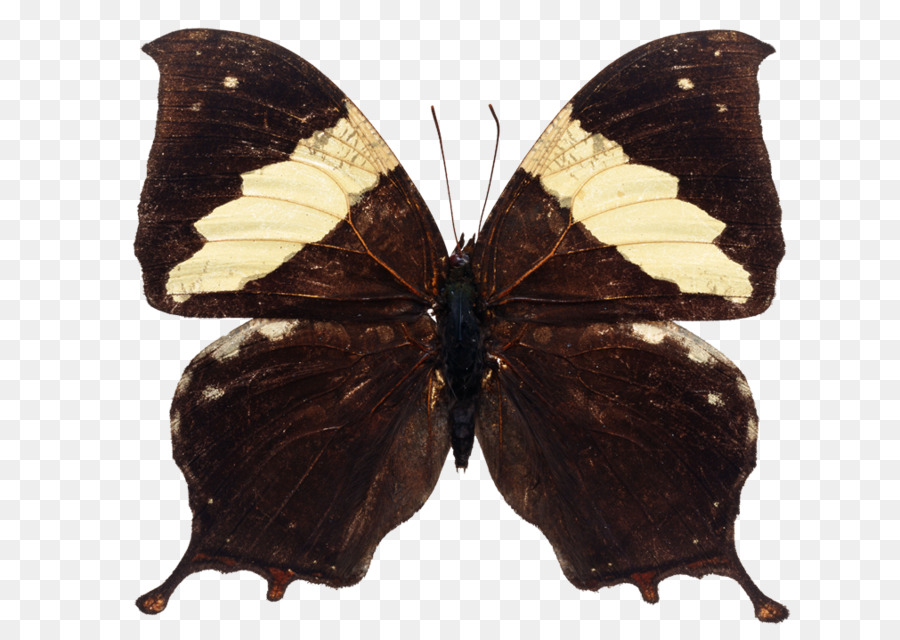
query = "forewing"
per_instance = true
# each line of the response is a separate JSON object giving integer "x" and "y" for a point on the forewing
{"x": 627, "y": 445}
{"x": 649, "y": 195}
{"x": 304, "y": 443}
{"x": 268, "y": 193}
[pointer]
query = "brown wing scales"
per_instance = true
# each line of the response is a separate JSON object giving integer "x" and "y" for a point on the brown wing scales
{"x": 303, "y": 444}
{"x": 269, "y": 194}
{"x": 649, "y": 196}
{"x": 627, "y": 445}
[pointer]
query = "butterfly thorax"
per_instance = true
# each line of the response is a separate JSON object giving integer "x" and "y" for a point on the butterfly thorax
{"x": 462, "y": 352}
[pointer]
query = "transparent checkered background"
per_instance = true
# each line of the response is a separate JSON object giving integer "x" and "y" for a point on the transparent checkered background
{"x": 94, "y": 509}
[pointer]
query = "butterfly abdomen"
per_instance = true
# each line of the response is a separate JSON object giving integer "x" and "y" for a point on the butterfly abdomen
{"x": 462, "y": 352}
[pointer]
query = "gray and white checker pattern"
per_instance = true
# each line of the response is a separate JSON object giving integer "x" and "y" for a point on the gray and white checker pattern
{"x": 95, "y": 511}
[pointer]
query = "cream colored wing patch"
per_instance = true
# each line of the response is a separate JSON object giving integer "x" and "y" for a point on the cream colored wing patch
{"x": 283, "y": 207}
{"x": 634, "y": 208}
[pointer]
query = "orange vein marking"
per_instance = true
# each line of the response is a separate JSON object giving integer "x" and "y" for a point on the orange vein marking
{"x": 380, "y": 262}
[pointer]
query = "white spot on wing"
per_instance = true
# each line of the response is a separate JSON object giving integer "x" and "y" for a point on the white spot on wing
{"x": 229, "y": 346}
{"x": 277, "y": 329}
{"x": 696, "y": 352}
{"x": 721, "y": 107}
{"x": 230, "y": 82}
{"x": 715, "y": 399}
{"x": 752, "y": 429}
{"x": 212, "y": 393}
{"x": 685, "y": 83}
{"x": 654, "y": 334}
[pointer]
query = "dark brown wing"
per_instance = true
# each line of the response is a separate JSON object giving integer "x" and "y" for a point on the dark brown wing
{"x": 650, "y": 195}
{"x": 304, "y": 443}
{"x": 627, "y": 445}
{"x": 269, "y": 194}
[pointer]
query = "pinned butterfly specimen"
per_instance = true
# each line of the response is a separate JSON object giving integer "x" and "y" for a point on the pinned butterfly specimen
{"x": 311, "y": 431}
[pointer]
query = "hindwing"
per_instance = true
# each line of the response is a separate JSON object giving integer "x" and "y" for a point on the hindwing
{"x": 303, "y": 444}
{"x": 627, "y": 445}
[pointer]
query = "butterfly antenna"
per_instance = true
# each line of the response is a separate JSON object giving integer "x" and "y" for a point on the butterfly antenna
{"x": 493, "y": 164}
{"x": 446, "y": 177}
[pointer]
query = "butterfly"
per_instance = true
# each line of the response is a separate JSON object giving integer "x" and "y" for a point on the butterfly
{"x": 314, "y": 429}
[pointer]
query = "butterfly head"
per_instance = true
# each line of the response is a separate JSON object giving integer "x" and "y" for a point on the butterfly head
{"x": 462, "y": 254}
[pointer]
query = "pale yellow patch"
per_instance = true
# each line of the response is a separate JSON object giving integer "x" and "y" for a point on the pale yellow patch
{"x": 717, "y": 53}
{"x": 619, "y": 186}
{"x": 695, "y": 268}
{"x": 634, "y": 208}
{"x": 696, "y": 352}
{"x": 651, "y": 333}
{"x": 262, "y": 218}
{"x": 285, "y": 206}
{"x": 752, "y": 430}
{"x": 299, "y": 183}
{"x": 229, "y": 346}
{"x": 196, "y": 106}
{"x": 277, "y": 329}
{"x": 685, "y": 83}
{"x": 721, "y": 107}
{"x": 212, "y": 393}
{"x": 694, "y": 348}
{"x": 566, "y": 155}
{"x": 230, "y": 82}
{"x": 351, "y": 153}
{"x": 227, "y": 266}
{"x": 366, "y": 140}
{"x": 715, "y": 399}
{"x": 548, "y": 142}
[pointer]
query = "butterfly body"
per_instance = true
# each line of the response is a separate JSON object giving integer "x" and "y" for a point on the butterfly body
{"x": 310, "y": 432}
{"x": 463, "y": 356}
